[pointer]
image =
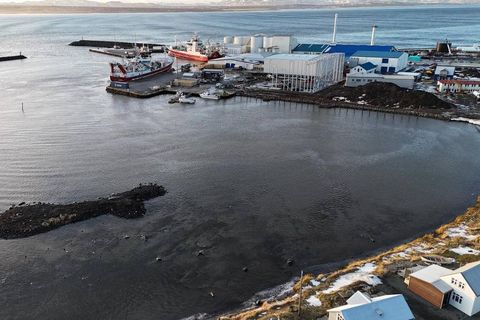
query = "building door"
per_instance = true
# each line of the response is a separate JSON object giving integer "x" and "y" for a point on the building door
{"x": 384, "y": 70}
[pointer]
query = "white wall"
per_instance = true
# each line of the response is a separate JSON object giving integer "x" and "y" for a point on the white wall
{"x": 469, "y": 302}
{"x": 398, "y": 63}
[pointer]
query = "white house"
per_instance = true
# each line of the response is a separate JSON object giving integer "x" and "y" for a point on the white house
{"x": 360, "y": 79}
{"x": 386, "y": 62}
{"x": 465, "y": 284}
{"x": 364, "y": 68}
{"x": 361, "y": 307}
{"x": 457, "y": 85}
{"x": 441, "y": 286}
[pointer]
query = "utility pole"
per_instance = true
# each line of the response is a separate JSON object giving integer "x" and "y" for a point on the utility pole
{"x": 300, "y": 294}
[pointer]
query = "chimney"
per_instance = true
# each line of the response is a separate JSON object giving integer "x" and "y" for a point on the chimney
{"x": 334, "y": 38}
{"x": 372, "y": 41}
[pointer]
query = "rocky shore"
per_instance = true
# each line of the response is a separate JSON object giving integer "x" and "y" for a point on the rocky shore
{"x": 458, "y": 239}
{"x": 26, "y": 220}
{"x": 375, "y": 96}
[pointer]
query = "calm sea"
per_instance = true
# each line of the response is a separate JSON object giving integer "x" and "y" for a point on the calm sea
{"x": 251, "y": 183}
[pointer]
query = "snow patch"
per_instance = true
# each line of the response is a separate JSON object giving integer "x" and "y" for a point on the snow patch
{"x": 363, "y": 273}
{"x": 459, "y": 232}
{"x": 465, "y": 250}
{"x": 314, "y": 301}
{"x": 472, "y": 121}
{"x": 314, "y": 282}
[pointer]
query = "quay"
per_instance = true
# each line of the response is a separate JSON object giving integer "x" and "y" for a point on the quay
{"x": 10, "y": 58}
{"x": 154, "y": 47}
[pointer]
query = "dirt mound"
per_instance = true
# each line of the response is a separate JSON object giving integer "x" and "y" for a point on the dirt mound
{"x": 385, "y": 95}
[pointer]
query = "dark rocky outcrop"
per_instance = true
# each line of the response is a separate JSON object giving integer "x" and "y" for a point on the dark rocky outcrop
{"x": 27, "y": 220}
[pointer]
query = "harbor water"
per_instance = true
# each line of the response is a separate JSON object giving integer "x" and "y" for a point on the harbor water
{"x": 250, "y": 183}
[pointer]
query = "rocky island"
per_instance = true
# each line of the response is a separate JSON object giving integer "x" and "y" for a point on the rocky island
{"x": 27, "y": 220}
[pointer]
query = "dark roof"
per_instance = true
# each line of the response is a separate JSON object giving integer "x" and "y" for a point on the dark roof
{"x": 347, "y": 49}
{"x": 368, "y": 66}
{"x": 378, "y": 54}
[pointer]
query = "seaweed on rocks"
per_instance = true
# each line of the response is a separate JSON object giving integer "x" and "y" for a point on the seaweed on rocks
{"x": 31, "y": 219}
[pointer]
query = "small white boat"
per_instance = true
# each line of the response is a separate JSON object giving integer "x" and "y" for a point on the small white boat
{"x": 439, "y": 260}
{"x": 210, "y": 94}
{"x": 185, "y": 100}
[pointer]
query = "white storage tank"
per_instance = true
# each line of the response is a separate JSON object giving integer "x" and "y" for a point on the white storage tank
{"x": 242, "y": 41}
{"x": 256, "y": 42}
{"x": 228, "y": 40}
{"x": 267, "y": 42}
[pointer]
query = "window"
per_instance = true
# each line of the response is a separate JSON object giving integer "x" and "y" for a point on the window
{"x": 457, "y": 298}
{"x": 454, "y": 281}
{"x": 340, "y": 317}
{"x": 385, "y": 60}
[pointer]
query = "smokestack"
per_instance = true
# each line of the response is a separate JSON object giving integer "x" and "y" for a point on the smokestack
{"x": 334, "y": 38}
{"x": 372, "y": 41}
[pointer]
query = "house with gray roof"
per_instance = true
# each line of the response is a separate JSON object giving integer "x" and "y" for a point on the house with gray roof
{"x": 465, "y": 285}
{"x": 440, "y": 286}
{"x": 362, "y": 307}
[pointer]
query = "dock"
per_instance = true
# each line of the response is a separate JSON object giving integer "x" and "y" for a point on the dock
{"x": 154, "y": 47}
{"x": 10, "y": 58}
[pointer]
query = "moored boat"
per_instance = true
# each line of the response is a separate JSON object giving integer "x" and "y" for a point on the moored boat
{"x": 435, "y": 259}
{"x": 210, "y": 94}
{"x": 139, "y": 67}
{"x": 195, "y": 50}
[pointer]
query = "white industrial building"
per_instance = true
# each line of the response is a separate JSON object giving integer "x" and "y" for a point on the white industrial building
{"x": 362, "y": 307}
{"x": 360, "y": 79}
{"x": 259, "y": 43}
{"x": 305, "y": 73}
{"x": 386, "y": 62}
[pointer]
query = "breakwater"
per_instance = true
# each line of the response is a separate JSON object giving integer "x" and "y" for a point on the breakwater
{"x": 10, "y": 58}
{"x": 27, "y": 220}
{"x": 111, "y": 44}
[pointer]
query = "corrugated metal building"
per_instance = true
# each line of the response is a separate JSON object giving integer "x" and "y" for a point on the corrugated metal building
{"x": 347, "y": 49}
{"x": 305, "y": 73}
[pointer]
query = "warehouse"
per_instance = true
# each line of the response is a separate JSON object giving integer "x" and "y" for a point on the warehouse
{"x": 305, "y": 73}
{"x": 360, "y": 79}
{"x": 347, "y": 49}
{"x": 386, "y": 62}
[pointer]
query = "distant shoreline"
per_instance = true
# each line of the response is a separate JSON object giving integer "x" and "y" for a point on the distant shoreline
{"x": 23, "y": 9}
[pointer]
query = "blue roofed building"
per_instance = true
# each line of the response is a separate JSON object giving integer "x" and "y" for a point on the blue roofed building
{"x": 347, "y": 49}
{"x": 361, "y": 307}
{"x": 364, "y": 68}
{"x": 387, "y": 62}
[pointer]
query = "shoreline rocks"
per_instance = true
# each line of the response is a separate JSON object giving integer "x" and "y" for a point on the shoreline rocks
{"x": 31, "y": 219}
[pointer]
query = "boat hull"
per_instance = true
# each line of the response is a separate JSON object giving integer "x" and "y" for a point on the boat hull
{"x": 187, "y": 56}
{"x": 165, "y": 69}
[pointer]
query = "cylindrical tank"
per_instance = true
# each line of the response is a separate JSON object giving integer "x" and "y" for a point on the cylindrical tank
{"x": 267, "y": 42}
{"x": 256, "y": 42}
{"x": 238, "y": 40}
{"x": 228, "y": 39}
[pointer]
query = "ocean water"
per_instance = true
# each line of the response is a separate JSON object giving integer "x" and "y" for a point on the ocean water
{"x": 249, "y": 182}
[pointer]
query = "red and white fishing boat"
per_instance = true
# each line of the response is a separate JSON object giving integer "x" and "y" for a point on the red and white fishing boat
{"x": 139, "y": 67}
{"x": 195, "y": 50}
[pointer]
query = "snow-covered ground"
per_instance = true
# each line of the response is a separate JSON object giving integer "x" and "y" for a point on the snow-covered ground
{"x": 314, "y": 301}
{"x": 465, "y": 250}
{"x": 363, "y": 273}
{"x": 460, "y": 232}
{"x": 472, "y": 121}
